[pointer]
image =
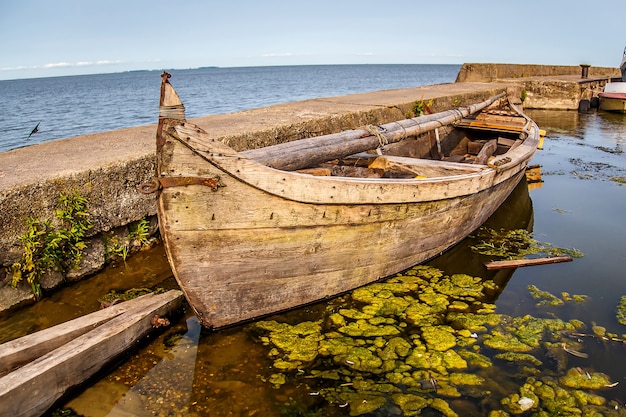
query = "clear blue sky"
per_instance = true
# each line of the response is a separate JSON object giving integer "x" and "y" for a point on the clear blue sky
{"x": 64, "y": 37}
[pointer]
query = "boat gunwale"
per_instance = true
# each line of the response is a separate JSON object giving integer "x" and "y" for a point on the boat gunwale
{"x": 614, "y": 96}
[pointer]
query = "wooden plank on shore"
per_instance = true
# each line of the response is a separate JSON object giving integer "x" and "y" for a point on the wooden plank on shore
{"x": 517, "y": 263}
{"x": 33, "y": 388}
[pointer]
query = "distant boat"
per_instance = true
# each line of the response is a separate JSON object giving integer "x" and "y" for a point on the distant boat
{"x": 253, "y": 233}
{"x": 613, "y": 96}
{"x": 622, "y": 66}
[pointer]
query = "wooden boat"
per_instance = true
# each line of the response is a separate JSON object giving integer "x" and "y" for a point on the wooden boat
{"x": 613, "y": 97}
{"x": 38, "y": 369}
{"x": 252, "y": 233}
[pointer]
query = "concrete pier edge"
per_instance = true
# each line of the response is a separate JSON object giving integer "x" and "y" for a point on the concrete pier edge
{"x": 108, "y": 167}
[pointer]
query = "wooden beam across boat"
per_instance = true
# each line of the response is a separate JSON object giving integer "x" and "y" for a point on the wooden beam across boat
{"x": 43, "y": 366}
{"x": 304, "y": 153}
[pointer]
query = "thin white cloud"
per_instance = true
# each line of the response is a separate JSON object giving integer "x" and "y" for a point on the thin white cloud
{"x": 15, "y": 68}
{"x": 62, "y": 65}
{"x": 56, "y": 65}
{"x": 278, "y": 54}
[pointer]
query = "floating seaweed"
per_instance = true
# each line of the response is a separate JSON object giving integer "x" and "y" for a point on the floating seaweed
{"x": 114, "y": 296}
{"x": 621, "y": 310}
{"x": 546, "y": 298}
{"x": 424, "y": 340}
{"x": 515, "y": 244}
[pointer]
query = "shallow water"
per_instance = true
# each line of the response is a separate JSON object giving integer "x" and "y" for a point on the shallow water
{"x": 189, "y": 371}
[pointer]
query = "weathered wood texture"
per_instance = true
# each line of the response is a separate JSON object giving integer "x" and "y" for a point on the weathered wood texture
{"x": 34, "y": 387}
{"x": 20, "y": 351}
{"x": 486, "y": 152}
{"x": 518, "y": 263}
{"x": 321, "y": 190}
{"x": 298, "y": 253}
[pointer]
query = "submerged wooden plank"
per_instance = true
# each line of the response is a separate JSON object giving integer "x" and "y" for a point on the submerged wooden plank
{"x": 517, "y": 263}
{"x": 35, "y": 387}
{"x": 16, "y": 353}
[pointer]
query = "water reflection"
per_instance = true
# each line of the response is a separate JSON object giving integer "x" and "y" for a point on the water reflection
{"x": 558, "y": 122}
{"x": 170, "y": 382}
{"x": 515, "y": 213}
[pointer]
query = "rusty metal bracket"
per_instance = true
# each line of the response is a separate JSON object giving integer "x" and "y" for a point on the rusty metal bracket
{"x": 166, "y": 182}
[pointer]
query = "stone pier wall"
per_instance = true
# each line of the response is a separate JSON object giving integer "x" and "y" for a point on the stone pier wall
{"x": 486, "y": 73}
{"x": 549, "y": 87}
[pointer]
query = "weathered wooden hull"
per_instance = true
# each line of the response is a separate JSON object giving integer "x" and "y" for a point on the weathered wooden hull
{"x": 297, "y": 253}
{"x": 258, "y": 240}
{"x": 36, "y": 370}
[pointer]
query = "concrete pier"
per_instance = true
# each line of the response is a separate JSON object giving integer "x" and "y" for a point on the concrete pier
{"x": 107, "y": 167}
{"x": 549, "y": 87}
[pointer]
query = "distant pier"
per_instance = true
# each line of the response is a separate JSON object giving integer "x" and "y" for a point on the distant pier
{"x": 549, "y": 87}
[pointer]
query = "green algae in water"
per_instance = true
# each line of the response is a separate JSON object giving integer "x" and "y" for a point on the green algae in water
{"x": 114, "y": 296}
{"x": 516, "y": 244}
{"x": 519, "y": 357}
{"x": 544, "y": 296}
{"x": 547, "y": 298}
{"x": 439, "y": 338}
{"x": 422, "y": 339}
{"x": 621, "y": 310}
{"x": 575, "y": 378}
{"x": 65, "y": 412}
{"x": 277, "y": 379}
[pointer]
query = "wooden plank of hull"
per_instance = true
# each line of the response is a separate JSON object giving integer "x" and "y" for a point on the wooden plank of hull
{"x": 36, "y": 386}
{"x": 240, "y": 259}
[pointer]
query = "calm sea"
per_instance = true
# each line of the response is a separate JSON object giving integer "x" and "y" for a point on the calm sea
{"x": 77, "y": 105}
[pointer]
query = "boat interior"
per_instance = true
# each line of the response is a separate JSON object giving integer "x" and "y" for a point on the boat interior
{"x": 464, "y": 147}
